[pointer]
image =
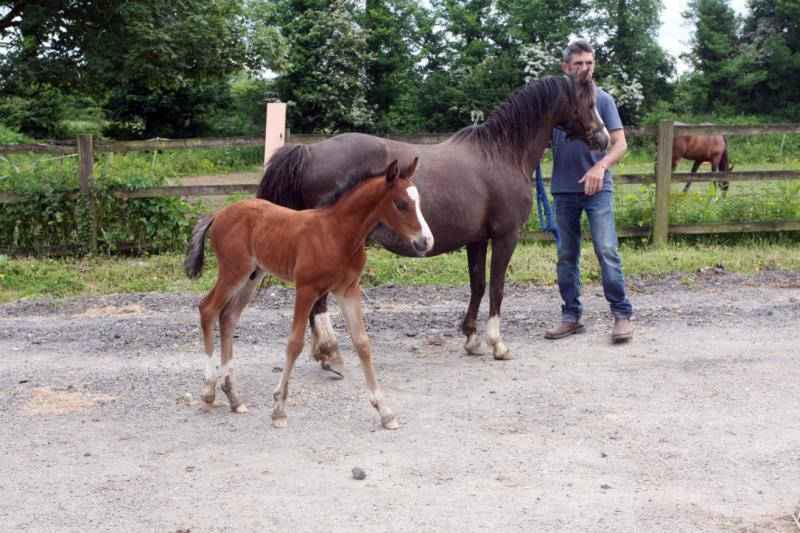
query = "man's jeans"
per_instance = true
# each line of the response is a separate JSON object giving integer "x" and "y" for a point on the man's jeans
{"x": 600, "y": 212}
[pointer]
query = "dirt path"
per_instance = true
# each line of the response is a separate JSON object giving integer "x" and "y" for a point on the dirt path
{"x": 695, "y": 425}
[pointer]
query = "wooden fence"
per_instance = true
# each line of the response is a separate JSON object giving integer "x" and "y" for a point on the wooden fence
{"x": 85, "y": 148}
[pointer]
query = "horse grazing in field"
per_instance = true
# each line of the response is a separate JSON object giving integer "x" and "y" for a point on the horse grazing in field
{"x": 476, "y": 185}
{"x": 320, "y": 250}
{"x": 701, "y": 149}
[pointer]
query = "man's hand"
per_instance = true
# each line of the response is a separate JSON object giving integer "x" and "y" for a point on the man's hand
{"x": 593, "y": 179}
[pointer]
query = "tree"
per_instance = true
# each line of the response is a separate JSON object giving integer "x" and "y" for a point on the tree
{"x": 769, "y": 59}
{"x": 325, "y": 82}
{"x": 714, "y": 46}
{"x": 628, "y": 55}
{"x": 143, "y": 49}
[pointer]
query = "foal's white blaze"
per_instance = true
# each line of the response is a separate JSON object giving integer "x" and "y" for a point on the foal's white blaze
{"x": 413, "y": 193}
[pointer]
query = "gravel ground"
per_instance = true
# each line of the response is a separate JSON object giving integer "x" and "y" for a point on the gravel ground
{"x": 694, "y": 425}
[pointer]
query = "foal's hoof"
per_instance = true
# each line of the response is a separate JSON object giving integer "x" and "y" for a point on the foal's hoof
{"x": 281, "y": 422}
{"x": 390, "y": 422}
{"x": 241, "y": 408}
{"x": 206, "y": 406}
{"x": 502, "y": 352}
{"x": 473, "y": 345}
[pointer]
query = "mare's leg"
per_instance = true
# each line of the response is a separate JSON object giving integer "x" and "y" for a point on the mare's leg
{"x": 323, "y": 340}
{"x": 304, "y": 301}
{"x": 695, "y": 166}
{"x": 350, "y": 302}
{"x": 227, "y": 324}
{"x": 476, "y": 257}
{"x": 210, "y": 307}
{"x": 502, "y": 249}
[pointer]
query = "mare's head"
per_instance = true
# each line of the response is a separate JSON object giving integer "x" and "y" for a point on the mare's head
{"x": 400, "y": 208}
{"x": 583, "y": 122}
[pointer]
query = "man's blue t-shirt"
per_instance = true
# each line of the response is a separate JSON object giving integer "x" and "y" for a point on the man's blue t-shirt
{"x": 571, "y": 160}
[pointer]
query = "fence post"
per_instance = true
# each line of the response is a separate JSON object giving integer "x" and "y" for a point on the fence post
{"x": 276, "y": 128}
{"x": 663, "y": 179}
{"x": 85, "y": 172}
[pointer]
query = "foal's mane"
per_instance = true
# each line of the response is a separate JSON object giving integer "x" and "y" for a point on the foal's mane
{"x": 332, "y": 197}
{"x": 510, "y": 130}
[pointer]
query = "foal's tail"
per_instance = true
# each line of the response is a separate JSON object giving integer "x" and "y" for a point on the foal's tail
{"x": 283, "y": 176}
{"x": 195, "y": 253}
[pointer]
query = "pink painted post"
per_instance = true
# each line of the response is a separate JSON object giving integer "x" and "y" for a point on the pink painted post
{"x": 276, "y": 126}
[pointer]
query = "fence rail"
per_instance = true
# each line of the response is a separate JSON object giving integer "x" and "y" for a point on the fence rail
{"x": 663, "y": 176}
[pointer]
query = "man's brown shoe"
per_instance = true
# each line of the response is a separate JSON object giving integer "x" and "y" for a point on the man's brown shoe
{"x": 563, "y": 330}
{"x": 623, "y": 331}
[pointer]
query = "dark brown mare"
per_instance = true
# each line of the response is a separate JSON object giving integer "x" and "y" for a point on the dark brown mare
{"x": 700, "y": 149}
{"x": 476, "y": 185}
{"x": 320, "y": 250}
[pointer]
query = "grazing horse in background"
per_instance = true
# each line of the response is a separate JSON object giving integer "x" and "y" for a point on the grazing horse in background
{"x": 320, "y": 250}
{"x": 476, "y": 185}
{"x": 702, "y": 148}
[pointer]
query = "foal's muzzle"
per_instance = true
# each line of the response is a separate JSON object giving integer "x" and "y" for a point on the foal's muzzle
{"x": 422, "y": 244}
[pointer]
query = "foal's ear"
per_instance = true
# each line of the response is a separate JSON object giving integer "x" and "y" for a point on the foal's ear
{"x": 584, "y": 77}
{"x": 410, "y": 169}
{"x": 391, "y": 172}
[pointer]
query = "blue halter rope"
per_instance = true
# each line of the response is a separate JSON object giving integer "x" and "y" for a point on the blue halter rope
{"x": 546, "y": 221}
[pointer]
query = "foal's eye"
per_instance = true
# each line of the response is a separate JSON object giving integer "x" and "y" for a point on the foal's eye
{"x": 401, "y": 205}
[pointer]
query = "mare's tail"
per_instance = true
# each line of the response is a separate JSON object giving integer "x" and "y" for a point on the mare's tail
{"x": 724, "y": 164}
{"x": 283, "y": 177}
{"x": 195, "y": 253}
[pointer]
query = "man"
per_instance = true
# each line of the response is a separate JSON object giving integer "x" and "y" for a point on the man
{"x": 582, "y": 182}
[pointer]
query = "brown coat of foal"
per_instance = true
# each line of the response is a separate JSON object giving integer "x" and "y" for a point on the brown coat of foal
{"x": 320, "y": 250}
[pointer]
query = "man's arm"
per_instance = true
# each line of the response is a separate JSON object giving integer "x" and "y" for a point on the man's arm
{"x": 593, "y": 179}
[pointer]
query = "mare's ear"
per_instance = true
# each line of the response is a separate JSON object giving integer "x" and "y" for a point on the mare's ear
{"x": 410, "y": 169}
{"x": 391, "y": 172}
{"x": 584, "y": 77}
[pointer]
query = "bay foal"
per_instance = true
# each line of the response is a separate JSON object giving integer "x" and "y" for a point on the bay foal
{"x": 320, "y": 250}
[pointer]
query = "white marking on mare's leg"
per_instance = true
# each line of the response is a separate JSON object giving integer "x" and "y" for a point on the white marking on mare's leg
{"x": 473, "y": 345}
{"x": 493, "y": 339}
{"x": 323, "y": 344}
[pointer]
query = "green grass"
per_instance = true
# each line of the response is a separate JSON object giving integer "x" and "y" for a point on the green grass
{"x": 534, "y": 262}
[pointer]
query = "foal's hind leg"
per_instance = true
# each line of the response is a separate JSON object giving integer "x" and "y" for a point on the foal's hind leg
{"x": 304, "y": 300}
{"x": 476, "y": 258}
{"x": 350, "y": 302}
{"x": 502, "y": 249}
{"x": 227, "y": 324}
{"x": 323, "y": 340}
{"x": 210, "y": 307}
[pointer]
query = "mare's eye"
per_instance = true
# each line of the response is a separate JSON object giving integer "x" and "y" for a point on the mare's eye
{"x": 401, "y": 205}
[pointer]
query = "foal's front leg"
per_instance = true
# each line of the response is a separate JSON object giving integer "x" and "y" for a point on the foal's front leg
{"x": 304, "y": 300}
{"x": 350, "y": 302}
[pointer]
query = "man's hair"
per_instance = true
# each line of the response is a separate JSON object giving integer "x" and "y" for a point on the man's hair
{"x": 576, "y": 47}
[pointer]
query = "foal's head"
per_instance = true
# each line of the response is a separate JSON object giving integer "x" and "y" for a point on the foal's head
{"x": 584, "y": 122}
{"x": 400, "y": 208}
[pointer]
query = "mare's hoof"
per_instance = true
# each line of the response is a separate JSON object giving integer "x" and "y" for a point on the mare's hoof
{"x": 390, "y": 422}
{"x": 334, "y": 364}
{"x": 241, "y": 408}
{"x": 502, "y": 352}
{"x": 206, "y": 406}
{"x": 473, "y": 345}
{"x": 280, "y": 422}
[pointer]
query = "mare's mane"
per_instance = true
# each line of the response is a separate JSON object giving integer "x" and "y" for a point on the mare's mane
{"x": 508, "y": 132}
